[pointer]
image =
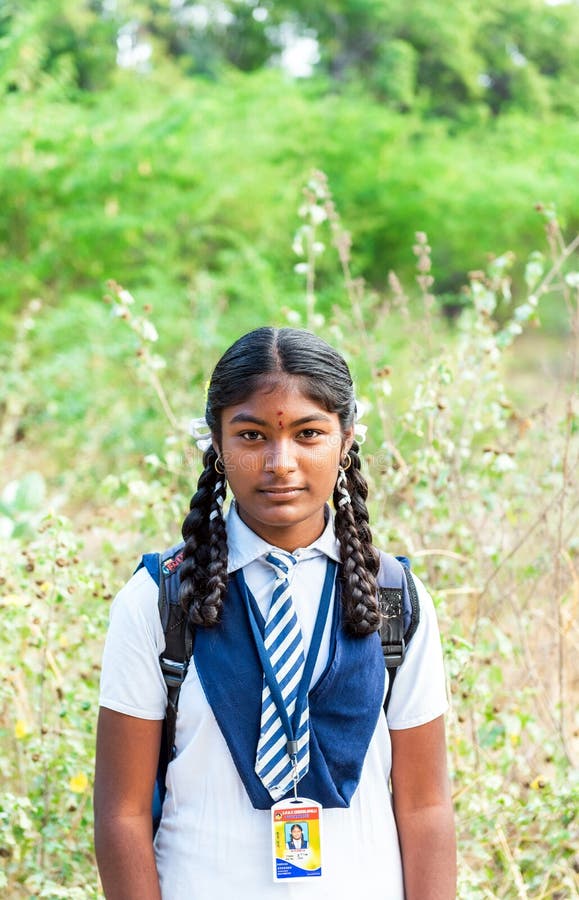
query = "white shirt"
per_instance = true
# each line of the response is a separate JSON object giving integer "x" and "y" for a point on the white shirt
{"x": 211, "y": 841}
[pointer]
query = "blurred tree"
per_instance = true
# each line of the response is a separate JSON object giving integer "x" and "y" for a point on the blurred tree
{"x": 394, "y": 74}
{"x": 447, "y": 59}
{"x": 60, "y": 43}
{"x": 522, "y": 54}
{"x": 531, "y": 58}
{"x": 203, "y": 37}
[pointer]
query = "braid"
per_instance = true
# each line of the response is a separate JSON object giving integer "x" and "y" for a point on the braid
{"x": 360, "y": 561}
{"x": 204, "y": 567}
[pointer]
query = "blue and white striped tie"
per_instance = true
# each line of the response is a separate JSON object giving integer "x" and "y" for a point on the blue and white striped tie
{"x": 284, "y": 646}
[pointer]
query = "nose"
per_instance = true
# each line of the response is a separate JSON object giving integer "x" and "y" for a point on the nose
{"x": 280, "y": 458}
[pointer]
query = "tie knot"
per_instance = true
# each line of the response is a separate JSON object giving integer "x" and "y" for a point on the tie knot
{"x": 283, "y": 563}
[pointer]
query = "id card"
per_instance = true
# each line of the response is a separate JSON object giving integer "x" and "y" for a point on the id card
{"x": 297, "y": 846}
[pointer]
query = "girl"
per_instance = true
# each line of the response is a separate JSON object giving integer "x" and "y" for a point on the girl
{"x": 281, "y": 411}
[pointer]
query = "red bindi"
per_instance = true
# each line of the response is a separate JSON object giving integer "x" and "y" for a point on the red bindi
{"x": 280, "y": 414}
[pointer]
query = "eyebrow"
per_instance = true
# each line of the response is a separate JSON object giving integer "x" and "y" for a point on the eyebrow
{"x": 246, "y": 417}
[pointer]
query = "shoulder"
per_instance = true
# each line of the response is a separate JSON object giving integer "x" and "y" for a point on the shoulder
{"x": 390, "y": 567}
{"x": 426, "y": 604}
{"x": 135, "y": 608}
{"x": 166, "y": 563}
{"x": 139, "y": 594}
{"x": 131, "y": 678}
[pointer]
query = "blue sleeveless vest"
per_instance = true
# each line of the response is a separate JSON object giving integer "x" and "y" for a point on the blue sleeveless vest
{"x": 344, "y": 704}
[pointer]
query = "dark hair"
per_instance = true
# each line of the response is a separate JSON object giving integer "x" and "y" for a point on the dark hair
{"x": 295, "y": 825}
{"x": 325, "y": 379}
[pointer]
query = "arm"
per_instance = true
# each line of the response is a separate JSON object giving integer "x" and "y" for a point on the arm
{"x": 126, "y": 764}
{"x": 423, "y": 811}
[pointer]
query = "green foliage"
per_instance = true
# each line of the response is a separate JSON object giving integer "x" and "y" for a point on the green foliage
{"x": 55, "y": 45}
{"x": 530, "y": 56}
{"x": 501, "y": 57}
{"x": 54, "y": 615}
{"x": 145, "y": 173}
{"x": 466, "y": 52}
{"x": 132, "y": 183}
{"x": 19, "y": 503}
{"x": 394, "y": 74}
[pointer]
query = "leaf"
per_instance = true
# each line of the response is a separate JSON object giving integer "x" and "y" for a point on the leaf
{"x": 31, "y": 492}
{"x": 534, "y": 270}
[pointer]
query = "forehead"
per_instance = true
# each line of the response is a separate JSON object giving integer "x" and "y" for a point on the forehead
{"x": 282, "y": 399}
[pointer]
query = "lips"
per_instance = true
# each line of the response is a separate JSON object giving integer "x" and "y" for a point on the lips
{"x": 281, "y": 490}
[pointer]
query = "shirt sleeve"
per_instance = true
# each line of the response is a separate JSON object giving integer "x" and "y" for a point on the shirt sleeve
{"x": 131, "y": 679}
{"x": 419, "y": 691}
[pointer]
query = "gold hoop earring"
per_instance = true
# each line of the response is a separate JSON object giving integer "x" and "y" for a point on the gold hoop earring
{"x": 347, "y": 462}
{"x": 218, "y": 466}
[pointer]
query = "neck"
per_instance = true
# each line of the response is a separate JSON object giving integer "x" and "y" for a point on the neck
{"x": 287, "y": 537}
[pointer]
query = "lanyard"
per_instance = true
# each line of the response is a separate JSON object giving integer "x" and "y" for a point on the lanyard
{"x": 290, "y": 727}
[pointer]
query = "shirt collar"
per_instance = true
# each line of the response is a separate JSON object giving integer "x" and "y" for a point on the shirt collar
{"x": 245, "y": 546}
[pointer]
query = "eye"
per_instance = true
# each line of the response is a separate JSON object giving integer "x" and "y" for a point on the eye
{"x": 309, "y": 433}
{"x": 251, "y": 436}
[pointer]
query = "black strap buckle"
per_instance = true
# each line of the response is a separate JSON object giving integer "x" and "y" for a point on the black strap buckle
{"x": 173, "y": 672}
{"x": 394, "y": 653}
{"x": 392, "y": 626}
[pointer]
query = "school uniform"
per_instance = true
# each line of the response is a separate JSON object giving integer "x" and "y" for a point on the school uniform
{"x": 212, "y": 841}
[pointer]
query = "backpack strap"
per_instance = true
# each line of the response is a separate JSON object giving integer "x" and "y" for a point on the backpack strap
{"x": 174, "y": 660}
{"x": 179, "y": 639}
{"x": 400, "y": 612}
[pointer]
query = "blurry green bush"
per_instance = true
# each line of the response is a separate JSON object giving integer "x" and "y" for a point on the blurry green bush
{"x": 189, "y": 182}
